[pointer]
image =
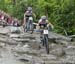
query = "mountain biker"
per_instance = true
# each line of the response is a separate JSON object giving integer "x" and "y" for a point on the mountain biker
{"x": 44, "y": 32}
{"x": 15, "y": 22}
{"x": 28, "y": 13}
{"x": 45, "y": 23}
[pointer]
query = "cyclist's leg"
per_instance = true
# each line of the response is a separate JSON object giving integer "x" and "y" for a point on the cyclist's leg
{"x": 25, "y": 27}
{"x": 32, "y": 26}
{"x": 26, "y": 24}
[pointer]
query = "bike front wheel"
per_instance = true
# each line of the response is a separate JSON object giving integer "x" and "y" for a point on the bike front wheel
{"x": 46, "y": 44}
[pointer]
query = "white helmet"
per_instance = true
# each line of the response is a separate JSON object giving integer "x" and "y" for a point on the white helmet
{"x": 43, "y": 17}
{"x": 29, "y": 9}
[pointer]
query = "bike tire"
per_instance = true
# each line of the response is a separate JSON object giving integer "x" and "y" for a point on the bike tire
{"x": 46, "y": 44}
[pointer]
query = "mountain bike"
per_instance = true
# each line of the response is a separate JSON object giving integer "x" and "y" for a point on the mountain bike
{"x": 44, "y": 39}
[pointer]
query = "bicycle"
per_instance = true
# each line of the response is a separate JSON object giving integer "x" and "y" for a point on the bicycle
{"x": 29, "y": 25}
{"x": 44, "y": 39}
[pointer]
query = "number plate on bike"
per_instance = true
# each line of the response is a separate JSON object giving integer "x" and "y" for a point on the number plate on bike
{"x": 30, "y": 18}
{"x": 45, "y": 31}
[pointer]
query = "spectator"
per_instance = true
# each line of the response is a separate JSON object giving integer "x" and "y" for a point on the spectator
{"x": 0, "y": 16}
{"x": 15, "y": 23}
{"x": 9, "y": 21}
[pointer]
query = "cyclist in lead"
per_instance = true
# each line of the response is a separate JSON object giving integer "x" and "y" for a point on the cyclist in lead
{"x": 45, "y": 23}
{"x": 44, "y": 28}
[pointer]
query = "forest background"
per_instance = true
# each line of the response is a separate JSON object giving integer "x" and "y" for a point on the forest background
{"x": 61, "y": 13}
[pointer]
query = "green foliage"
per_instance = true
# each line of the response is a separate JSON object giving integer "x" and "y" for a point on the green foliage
{"x": 60, "y": 12}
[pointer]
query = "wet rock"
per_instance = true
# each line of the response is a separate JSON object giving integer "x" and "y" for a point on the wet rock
{"x": 22, "y": 36}
{"x": 28, "y": 36}
{"x": 37, "y": 38}
{"x": 37, "y": 60}
{"x": 70, "y": 50}
{"x": 65, "y": 43}
{"x": 53, "y": 35}
{"x": 2, "y": 44}
{"x": 8, "y": 41}
{"x": 69, "y": 59}
{"x": 13, "y": 29}
{"x": 4, "y": 35}
{"x": 4, "y": 31}
{"x": 53, "y": 46}
{"x": 21, "y": 40}
{"x": 34, "y": 44}
{"x": 27, "y": 51}
{"x": 31, "y": 59}
{"x": 48, "y": 57}
{"x": 24, "y": 48}
{"x": 14, "y": 35}
{"x": 25, "y": 57}
{"x": 58, "y": 52}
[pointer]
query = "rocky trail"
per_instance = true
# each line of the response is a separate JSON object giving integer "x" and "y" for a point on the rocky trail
{"x": 23, "y": 48}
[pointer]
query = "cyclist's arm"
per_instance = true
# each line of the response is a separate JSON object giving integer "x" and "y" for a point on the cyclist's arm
{"x": 47, "y": 21}
{"x": 50, "y": 24}
{"x": 39, "y": 21}
{"x": 24, "y": 19}
{"x": 34, "y": 15}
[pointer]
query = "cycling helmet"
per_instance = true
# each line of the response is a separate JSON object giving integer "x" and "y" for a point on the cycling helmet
{"x": 43, "y": 17}
{"x": 29, "y": 9}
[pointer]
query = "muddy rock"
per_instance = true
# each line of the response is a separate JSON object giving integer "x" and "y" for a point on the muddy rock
{"x": 2, "y": 44}
{"x": 48, "y": 57}
{"x": 34, "y": 44}
{"x": 58, "y": 52}
{"x": 70, "y": 50}
{"x": 4, "y": 31}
